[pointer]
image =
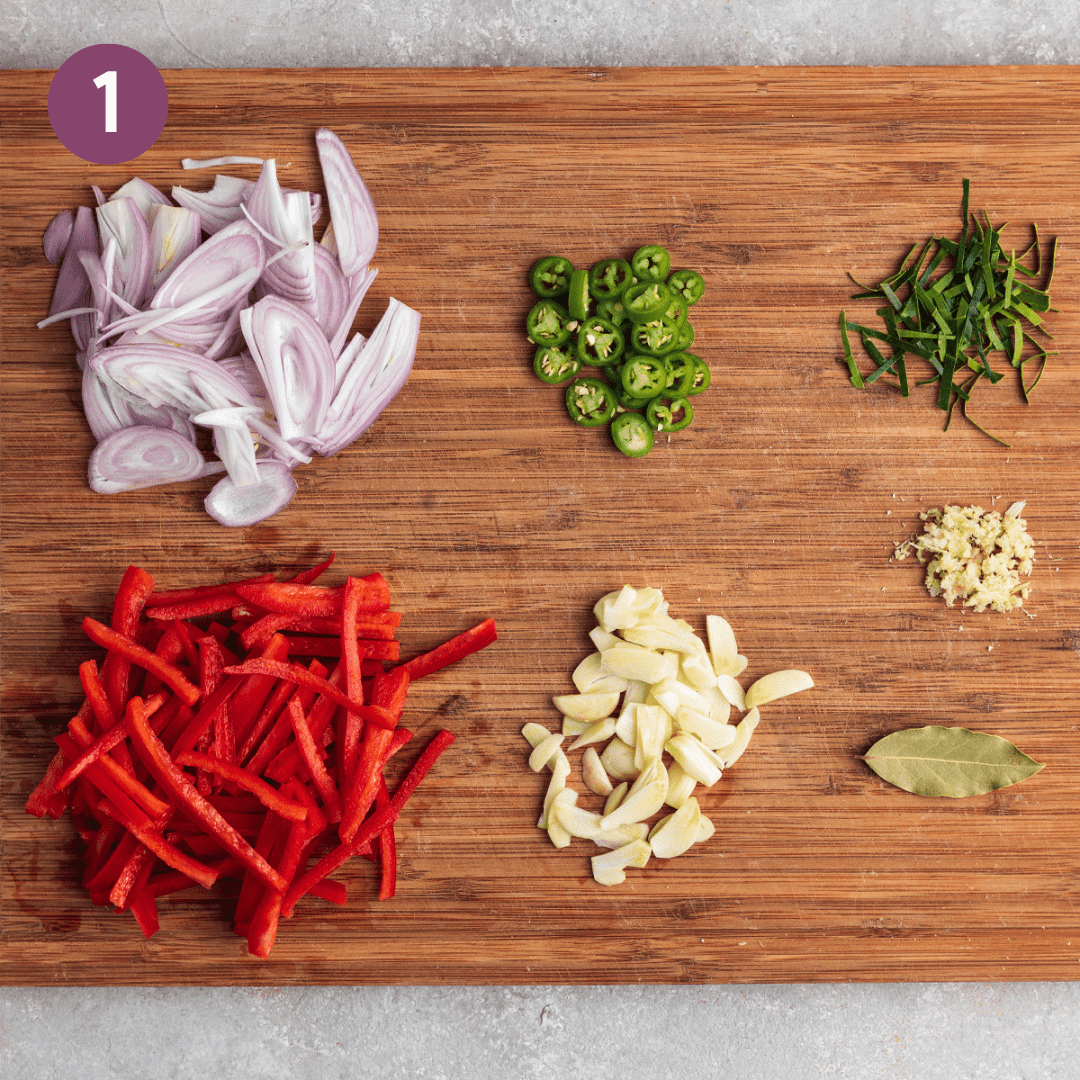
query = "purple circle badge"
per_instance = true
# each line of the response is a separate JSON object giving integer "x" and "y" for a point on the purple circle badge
{"x": 107, "y": 104}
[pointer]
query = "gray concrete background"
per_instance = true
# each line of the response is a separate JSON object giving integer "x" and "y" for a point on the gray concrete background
{"x": 1014, "y": 1031}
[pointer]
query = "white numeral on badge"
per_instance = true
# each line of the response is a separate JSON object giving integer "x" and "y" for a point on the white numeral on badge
{"x": 108, "y": 80}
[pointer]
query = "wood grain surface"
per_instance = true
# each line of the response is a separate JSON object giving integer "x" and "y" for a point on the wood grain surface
{"x": 475, "y": 495}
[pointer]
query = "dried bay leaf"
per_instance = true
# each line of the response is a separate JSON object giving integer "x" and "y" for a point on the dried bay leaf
{"x": 950, "y": 762}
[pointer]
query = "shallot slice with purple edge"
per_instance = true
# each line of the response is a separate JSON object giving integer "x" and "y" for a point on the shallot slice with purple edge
{"x": 141, "y": 456}
{"x": 161, "y": 320}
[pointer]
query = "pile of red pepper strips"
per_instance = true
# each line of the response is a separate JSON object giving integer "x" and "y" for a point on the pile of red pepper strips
{"x": 234, "y": 751}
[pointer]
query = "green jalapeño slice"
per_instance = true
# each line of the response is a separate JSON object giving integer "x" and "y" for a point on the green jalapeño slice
{"x": 590, "y": 402}
{"x": 599, "y": 342}
{"x": 550, "y": 276}
{"x": 555, "y": 364}
{"x": 548, "y": 323}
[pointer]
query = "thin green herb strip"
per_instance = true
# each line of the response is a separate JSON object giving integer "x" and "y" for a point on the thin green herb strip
{"x": 977, "y": 308}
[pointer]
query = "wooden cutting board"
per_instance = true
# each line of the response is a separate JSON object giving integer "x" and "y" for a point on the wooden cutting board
{"x": 475, "y": 495}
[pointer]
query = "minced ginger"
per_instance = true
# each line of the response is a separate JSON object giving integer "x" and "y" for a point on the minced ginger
{"x": 974, "y": 556}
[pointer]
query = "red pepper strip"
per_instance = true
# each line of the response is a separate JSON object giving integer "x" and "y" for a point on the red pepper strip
{"x": 264, "y": 722}
{"x": 172, "y": 881}
{"x": 211, "y": 663}
{"x": 317, "y": 601}
{"x": 199, "y": 723}
{"x": 269, "y": 796}
{"x": 173, "y": 779}
{"x": 268, "y": 844}
{"x": 350, "y": 662}
{"x": 298, "y": 674}
{"x": 167, "y": 852}
{"x": 96, "y": 695}
{"x": 178, "y": 596}
{"x": 144, "y": 908}
{"x": 105, "y": 742}
{"x": 110, "y": 779}
{"x": 388, "y": 692}
{"x": 44, "y": 800}
{"x": 290, "y": 599}
{"x": 312, "y": 645}
{"x": 99, "y": 884}
{"x": 257, "y": 688}
{"x": 329, "y": 889}
{"x": 136, "y": 586}
{"x": 99, "y": 846}
{"x": 327, "y": 789}
{"x": 330, "y": 862}
{"x": 306, "y": 577}
{"x": 480, "y": 636}
{"x": 264, "y": 923}
{"x": 138, "y": 654}
{"x": 387, "y": 850}
{"x": 373, "y": 826}
{"x": 194, "y": 609}
{"x": 139, "y": 864}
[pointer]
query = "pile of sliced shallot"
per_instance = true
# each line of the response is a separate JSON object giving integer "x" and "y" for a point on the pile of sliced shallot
{"x": 219, "y": 310}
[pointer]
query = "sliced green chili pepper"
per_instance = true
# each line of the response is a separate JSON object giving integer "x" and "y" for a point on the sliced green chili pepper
{"x": 665, "y": 414}
{"x": 677, "y": 311}
{"x": 686, "y": 337}
{"x": 613, "y": 311}
{"x": 655, "y": 338}
{"x": 550, "y": 276}
{"x": 577, "y": 298}
{"x": 683, "y": 366}
{"x": 590, "y": 402}
{"x": 645, "y": 376}
{"x": 608, "y": 278}
{"x": 688, "y": 284}
{"x": 548, "y": 323}
{"x": 646, "y": 300}
{"x": 651, "y": 263}
{"x": 599, "y": 342}
{"x": 555, "y": 364}
{"x": 702, "y": 376}
{"x": 631, "y": 433}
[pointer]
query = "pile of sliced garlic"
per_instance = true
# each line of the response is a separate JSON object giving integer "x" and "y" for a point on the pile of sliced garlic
{"x": 661, "y": 703}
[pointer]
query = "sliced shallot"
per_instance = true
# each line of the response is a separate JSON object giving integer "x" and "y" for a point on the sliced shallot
{"x": 142, "y": 456}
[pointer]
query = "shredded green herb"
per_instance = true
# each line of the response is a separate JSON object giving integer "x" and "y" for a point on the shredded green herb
{"x": 955, "y": 305}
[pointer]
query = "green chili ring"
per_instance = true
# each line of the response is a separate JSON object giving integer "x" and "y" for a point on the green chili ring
{"x": 656, "y": 337}
{"x": 702, "y": 376}
{"x": 683, "y": 368}
{"x": 599, "y": 342}
{"x": 548, "y": 323}
{"x": 590, "y": 402}
{"x": 631, "y": 434}
{"x": 645, "y": 376}
{"x": 688, "y": 284}
{"x": 686, "y": 337}
{"x": 550, "y": 276}
{"x": 646, "y": 300}
{"x": 609, "y": 277}
{"x": 651, "y": 263}
{"x": 669, "y": 414}
{"x": 554, "y": 364}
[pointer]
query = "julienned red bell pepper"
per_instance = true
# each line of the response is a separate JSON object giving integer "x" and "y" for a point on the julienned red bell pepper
{"x": 387, "y": 692}
{"x": 316, "y": 601}
{"x": 297, "y": 673}
{"x": 239, "y": 722}
{"x": 479, "y": 637}
{"x": 371, "y": 827}
{"x": 173, "y": 779}
{"x": 136, "y": 588}
{"x": 131, "y": 650}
